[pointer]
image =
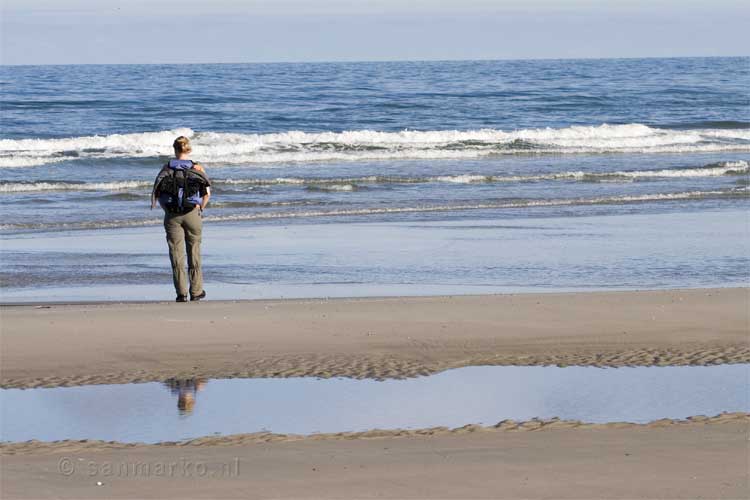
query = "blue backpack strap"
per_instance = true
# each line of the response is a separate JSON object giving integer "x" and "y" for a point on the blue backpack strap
{"x": 181, "y": 164}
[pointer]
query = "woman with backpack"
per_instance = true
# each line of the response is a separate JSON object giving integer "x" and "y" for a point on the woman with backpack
{"x": 182, "y": 189}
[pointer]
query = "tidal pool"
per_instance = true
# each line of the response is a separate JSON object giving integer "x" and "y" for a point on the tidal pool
{"x": 180, "y": 409}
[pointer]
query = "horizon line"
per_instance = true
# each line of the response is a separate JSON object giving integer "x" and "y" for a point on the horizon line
{"x": 360, "y": 61}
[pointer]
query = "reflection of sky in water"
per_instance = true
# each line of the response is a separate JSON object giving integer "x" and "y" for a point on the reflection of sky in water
{"x": 150, "y": 412}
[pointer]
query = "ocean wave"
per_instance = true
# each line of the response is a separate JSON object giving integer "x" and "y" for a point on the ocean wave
{"x": 688, "y": 195}
{"x": 218, "y": 148}
{"x": 346, "y": 187}
{"x": 23, "y": 187}
{"x": 739, "y": 167}
{"x": 727, "y": 124}
{"x": 493, "y": 205}
{"x": 263, "y": 204}
{"x": 34, "y": 152}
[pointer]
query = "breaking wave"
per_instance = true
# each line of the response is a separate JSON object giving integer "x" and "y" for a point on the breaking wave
{"x": 219, "y": 148}
{"x": 22, "y": 187}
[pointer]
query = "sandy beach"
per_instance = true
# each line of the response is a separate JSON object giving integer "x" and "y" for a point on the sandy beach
{"x": 450, "y": 250}
{"x": 702, "y": 458}
{"x": 59, "y": 345}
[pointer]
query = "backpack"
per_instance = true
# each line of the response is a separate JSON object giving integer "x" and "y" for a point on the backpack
{"x": 180, "y": 187}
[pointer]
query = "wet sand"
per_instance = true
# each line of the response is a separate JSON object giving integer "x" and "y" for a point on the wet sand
{"x": 58, "y": 345}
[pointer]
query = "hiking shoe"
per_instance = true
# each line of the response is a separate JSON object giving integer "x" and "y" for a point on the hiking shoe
{"x": 200, "y": 296}
{"x": 181, "y": 298}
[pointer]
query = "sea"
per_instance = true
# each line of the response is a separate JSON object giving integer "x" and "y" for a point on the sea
{"x": 380, "y": 178}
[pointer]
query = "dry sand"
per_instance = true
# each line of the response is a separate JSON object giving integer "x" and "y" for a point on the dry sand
{"x": 703, "y": 458}
{"x": 385, "y": 337}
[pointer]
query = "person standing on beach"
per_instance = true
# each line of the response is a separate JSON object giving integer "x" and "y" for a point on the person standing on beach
{"x": 182, "y": 189}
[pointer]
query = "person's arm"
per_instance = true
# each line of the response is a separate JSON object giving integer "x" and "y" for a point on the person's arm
{"x": 154, "y": 197}
{"x": 154, "y": 194}
{"x": 207, "y": 196}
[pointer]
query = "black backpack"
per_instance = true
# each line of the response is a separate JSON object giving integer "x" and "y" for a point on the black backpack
{"x": 181, "y": 187}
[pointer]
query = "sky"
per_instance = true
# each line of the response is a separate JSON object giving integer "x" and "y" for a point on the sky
{"x": 225, "y": 31}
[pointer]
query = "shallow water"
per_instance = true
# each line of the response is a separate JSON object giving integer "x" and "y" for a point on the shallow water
{"x": 175, "y": 410}
{"x": 636, "y": 251}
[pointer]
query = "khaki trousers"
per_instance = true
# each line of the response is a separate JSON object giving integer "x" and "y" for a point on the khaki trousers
{"x": 184, "y": 233}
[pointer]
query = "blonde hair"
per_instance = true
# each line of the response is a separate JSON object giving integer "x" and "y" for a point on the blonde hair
{"x": 182, "y": 145}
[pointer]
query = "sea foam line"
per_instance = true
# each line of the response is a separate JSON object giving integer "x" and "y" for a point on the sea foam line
{"x": 645, "y": 198}
{"x": 494, "y": 205}
{"x": 740, "y": 167}
{"x": 23, "y": 187}
{"x": 221, "y": 148}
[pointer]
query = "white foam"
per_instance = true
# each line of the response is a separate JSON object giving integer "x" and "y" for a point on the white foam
{"x": 31, "y": 152}
{"x": 740, "y": 167}
{"x": 295, "y": 146}
{"x": 21, "y": 187}
{"x": 718, "y": 169}
{"x": 333, "y": 187}
{"x": 462, "y": 179}
{"x": 261, "y": 182}
{"x": 486, "y": 206}
{"x": 688, "y": 195}
{"x": 24, "y": 160}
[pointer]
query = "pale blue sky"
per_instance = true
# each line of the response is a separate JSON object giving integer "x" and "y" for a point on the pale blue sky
{"x": 187, "y": 31}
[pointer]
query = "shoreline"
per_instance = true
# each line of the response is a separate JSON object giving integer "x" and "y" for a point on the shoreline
{"x": 374, "y": 297}
{"x": 34, "y": 446}
{"x": 390, "y": 337}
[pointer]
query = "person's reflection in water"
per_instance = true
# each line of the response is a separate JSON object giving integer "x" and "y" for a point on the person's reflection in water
{"x": 185, "y": 390}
